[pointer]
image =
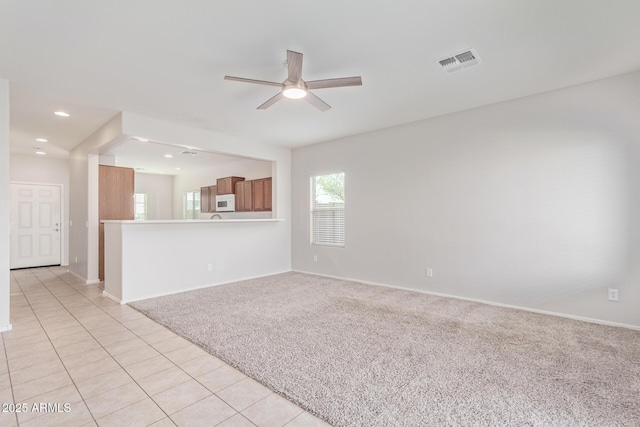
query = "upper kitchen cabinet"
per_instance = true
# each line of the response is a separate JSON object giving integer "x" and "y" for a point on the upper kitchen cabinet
{"x": 261, "y": 189}
{"x": 244, "y": 196}
{"x": 268, "y": 197}
{"x": 115, "y": 192}
{"x": 228, "y": 185}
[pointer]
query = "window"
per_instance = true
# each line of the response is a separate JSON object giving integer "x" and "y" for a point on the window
{"x": 140, "y": 202}
{"x": 192, "y": 205}
{"x": 327, "y": 210}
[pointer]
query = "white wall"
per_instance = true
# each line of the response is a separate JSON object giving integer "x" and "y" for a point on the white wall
{"x": 45, "y": 170}
{"x": 247, "y": 168}
{"x": 5, "y": 322}
{"x": 159, "y": 190}
{"x": 532, "y": 202}
{"x": 144, "y": 260}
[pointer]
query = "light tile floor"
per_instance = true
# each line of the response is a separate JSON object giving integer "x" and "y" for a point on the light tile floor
{"x": 106, "y": 364}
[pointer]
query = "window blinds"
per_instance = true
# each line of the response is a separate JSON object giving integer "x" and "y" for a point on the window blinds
{"x": 327, "y": 211}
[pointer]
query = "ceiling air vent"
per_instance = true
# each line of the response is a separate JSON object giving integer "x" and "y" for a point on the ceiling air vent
{"x": 189, "y": 153}
{"x": 457, "y": 62}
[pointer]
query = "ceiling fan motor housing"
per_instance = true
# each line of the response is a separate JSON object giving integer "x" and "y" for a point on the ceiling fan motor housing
{"x": 294, "y": 90}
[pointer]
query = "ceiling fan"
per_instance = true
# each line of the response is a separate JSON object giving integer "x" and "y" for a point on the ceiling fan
{"x": 295, "y": 88}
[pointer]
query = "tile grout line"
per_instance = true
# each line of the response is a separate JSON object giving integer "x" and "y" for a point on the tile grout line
{"x": 163, "y": 355}
{"x": 175, "y": 364}
{"x": 196, "y": 380}
{"x": 79, "y": 323}
{"x": 101, "y": 346}
{"x": 171, "y": 361}
{"x": 77, "y": 292}
{"x": 122, "y": 367}
{"x": 82, "y": 325}
{"x": 54, "y": 348}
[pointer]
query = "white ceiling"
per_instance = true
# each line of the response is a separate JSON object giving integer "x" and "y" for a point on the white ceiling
{"x": 167, "y": 60}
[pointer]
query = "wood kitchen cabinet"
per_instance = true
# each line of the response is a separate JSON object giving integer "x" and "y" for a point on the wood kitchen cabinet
{"x": 268, "y": 197}
{"x": 208, "y": 198}
{"x": 261, "y": 189}
{"x": 115, "y": 201}
{"x": 244, "y": 196}
{"x": 254, "y": 195}
{"x": 228, "y": 185}
{"x": 204, "y": 199}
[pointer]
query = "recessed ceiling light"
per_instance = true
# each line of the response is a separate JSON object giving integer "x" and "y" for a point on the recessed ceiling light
{"x": 42, "y": 153}
{"x": 42, "y": 140}
{"x": 61, "y": 114}
{"x": 168, "y": 156}
{"x": 177, "y": 169}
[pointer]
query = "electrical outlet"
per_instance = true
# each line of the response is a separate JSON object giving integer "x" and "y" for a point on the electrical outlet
{"x": 428, "y": 272}
{"x": 76, "y": 260}
{"x": 613, "y": 294}
{"x": 315, "y": 258}
{"x": 209, "y": 267}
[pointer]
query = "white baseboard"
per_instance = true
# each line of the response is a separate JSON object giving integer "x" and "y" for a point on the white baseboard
{"x": 497, "y": 304}
{"x": 126, "y": 301}
{"x": 76, "y": 275}
{"x": 5, "y": 328}
{"x": 108, "y": 295}
{"x": 86, "y": 281}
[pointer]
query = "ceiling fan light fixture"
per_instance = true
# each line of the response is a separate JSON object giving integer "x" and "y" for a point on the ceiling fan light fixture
{"x": 294, "y": 87}
{"x": 294, "y": 90}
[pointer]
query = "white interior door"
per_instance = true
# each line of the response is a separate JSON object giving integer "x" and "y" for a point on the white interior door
{"x": 35, "y": 225}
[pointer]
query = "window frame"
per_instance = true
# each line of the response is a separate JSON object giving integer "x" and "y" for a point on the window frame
{"x": 313, "y": 209}
{"x": 144, "y": 205}
{"x": 185, "y": 208}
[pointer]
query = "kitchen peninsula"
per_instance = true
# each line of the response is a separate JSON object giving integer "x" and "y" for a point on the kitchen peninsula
{"x": 145, "y": 259}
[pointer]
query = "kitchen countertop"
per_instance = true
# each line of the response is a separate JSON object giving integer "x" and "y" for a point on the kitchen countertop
{"x": 187, "y": 221}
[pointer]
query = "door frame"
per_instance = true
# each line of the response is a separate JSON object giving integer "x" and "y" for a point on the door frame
{"x": 63, "y": 222}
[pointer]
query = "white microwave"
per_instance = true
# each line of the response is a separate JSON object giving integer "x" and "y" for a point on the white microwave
{"x": 226, "y": 203}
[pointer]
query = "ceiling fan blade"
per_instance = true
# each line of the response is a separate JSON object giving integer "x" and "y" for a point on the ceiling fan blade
{"x": 271, "y": 101}
{"x": 317, "y": 102}
{"x": 294, "y": 64}
{"x": 340, "y": 82}
{"x": 258, "y": 82}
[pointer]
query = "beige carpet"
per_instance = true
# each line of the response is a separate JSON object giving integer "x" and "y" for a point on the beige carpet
{"x": 359, "y": 355}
